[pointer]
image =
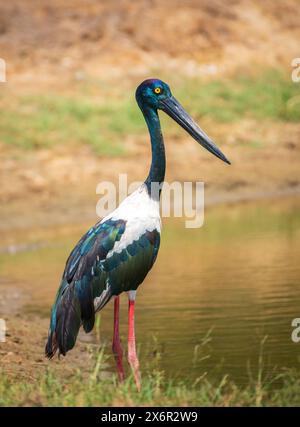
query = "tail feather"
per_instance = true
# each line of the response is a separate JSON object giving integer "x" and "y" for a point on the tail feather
{"x": 51, "y": 345}
{"x": 74, "y": 306}
{"x": 65, "y": 323}
{"x": 87, "y": 311}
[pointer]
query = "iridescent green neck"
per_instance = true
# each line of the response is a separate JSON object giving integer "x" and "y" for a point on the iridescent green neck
{"x": 158, "y": 163}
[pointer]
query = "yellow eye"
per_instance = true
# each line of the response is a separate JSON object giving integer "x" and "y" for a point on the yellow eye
{"x": 157, "y": 90}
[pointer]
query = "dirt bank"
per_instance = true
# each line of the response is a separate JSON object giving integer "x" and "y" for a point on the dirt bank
{"x": 57, "y": 185}
{"x": 118, "y": 38}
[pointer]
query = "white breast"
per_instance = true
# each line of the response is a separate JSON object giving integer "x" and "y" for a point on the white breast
{"x": 141, "y": 213}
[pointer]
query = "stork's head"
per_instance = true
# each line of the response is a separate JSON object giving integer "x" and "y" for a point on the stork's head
{"x": 151, "y": 92}
{"x": 156, "y": 95}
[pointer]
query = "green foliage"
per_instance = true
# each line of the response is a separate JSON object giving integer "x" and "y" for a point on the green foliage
{"x": 268, "y": 95}
{"x": 45, "y": 120}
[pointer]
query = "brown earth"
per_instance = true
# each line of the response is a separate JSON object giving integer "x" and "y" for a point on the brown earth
{"x": 18, "y": 355}
{"x": 107, "y": 36}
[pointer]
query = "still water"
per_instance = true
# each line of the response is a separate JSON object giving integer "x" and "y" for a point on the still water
{"x": 213, "y": 296}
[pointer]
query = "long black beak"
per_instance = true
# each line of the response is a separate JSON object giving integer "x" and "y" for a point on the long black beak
{"x": 173, "y": 108}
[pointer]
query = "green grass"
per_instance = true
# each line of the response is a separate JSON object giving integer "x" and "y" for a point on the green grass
{"x": 45, "y": 120}
{"x": 42, "y": 121}
{"x": 96, "y": 389}
{"x": 268, "y": 95}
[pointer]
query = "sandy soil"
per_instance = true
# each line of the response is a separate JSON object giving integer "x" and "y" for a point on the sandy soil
{"x": 21, "y": 355}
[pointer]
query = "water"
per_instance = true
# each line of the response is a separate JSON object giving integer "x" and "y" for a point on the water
{"x": 214, "y": 294}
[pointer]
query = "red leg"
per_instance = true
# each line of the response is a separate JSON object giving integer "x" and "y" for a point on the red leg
{"x": 116, "y": 345}
{"x": 132, "y": 356}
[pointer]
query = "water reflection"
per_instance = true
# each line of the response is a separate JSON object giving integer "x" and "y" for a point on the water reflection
{"x": 237, "y": 277}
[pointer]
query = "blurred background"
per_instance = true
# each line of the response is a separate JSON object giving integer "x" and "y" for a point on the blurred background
{"x": 69, "y": 120}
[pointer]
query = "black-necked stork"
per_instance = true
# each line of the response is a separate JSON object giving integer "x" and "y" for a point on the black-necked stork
{"x": 117, "y": 253}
